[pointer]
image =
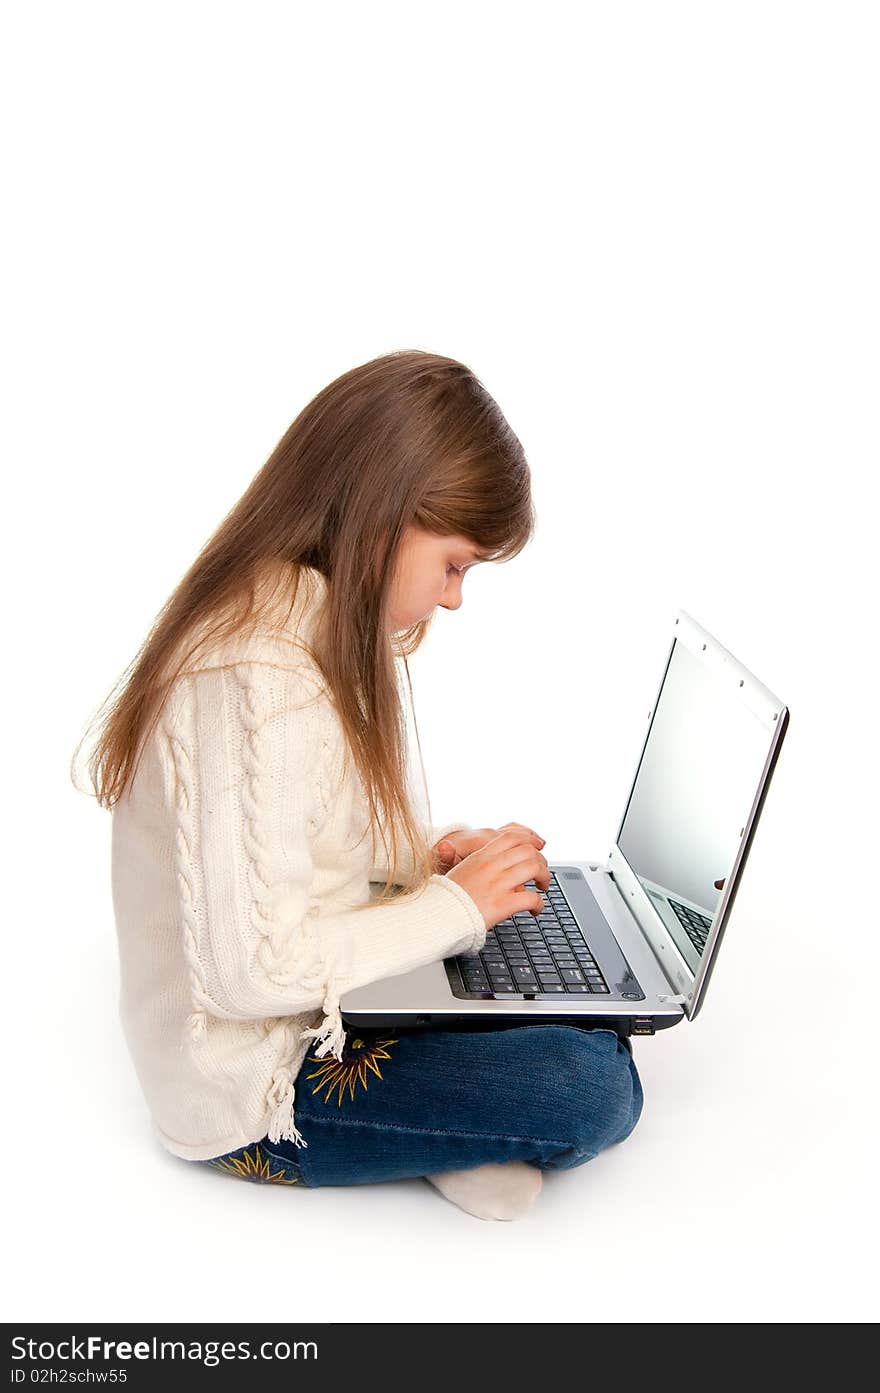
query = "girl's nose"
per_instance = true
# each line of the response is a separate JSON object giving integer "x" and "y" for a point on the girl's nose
{"x": 452, "y": 601}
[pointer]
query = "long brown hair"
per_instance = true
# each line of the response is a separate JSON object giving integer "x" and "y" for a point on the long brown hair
{"x": 409, "y": 438}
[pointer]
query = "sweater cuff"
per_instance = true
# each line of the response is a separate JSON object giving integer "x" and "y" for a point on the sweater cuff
{"x": 476, "y": 918}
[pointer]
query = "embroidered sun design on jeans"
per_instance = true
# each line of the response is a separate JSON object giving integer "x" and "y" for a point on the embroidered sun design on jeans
{"x": 358, "y": 1056}
{"x": 251, "y": 1164}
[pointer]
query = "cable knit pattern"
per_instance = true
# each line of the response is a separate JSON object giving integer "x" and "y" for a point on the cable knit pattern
{"x": 276, "y": 948}
{"x": 284, "y": 956}
{"x": 241, "y": 889}
{"x": 183, "y": 848}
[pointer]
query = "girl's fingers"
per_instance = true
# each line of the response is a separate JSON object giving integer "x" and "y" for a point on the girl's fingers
{"x": 521, "y": 851}
{"x": 521, "y": 827}
{"x": 539, "y": 873}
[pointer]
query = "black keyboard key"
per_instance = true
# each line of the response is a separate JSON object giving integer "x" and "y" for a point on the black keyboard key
{"x": 571, "y": 974}
{"x": 522, "y": 972}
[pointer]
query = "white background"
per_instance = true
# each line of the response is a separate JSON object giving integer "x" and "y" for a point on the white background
{"x": 652, "y": 231}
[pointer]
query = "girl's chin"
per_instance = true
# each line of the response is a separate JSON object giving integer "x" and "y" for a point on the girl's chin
{"x": 398, "y": 625}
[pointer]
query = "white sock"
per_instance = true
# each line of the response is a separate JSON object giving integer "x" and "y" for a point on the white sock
{"x": 504, "y": 1190}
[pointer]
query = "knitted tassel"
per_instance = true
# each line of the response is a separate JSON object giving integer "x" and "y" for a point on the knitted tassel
{"x": 331, "y": 1031}
{"x": 281, "y": 1123}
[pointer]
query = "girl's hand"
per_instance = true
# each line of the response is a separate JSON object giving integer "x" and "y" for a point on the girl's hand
{"x": 457, "y": 845}
{"x": 495, "y": 873}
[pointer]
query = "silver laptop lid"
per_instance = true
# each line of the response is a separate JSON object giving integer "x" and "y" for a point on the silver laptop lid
{"x": 713, "y": 738}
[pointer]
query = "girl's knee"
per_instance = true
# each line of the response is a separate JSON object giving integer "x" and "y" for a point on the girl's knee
{"x": 633, "y": 1111}
{"x": 605, "y": 1096}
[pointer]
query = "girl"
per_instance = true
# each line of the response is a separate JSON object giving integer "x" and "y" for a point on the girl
{"x": 265, "y": 852}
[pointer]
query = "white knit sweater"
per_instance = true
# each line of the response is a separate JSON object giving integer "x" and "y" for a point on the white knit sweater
{"x": 238, "y": 853}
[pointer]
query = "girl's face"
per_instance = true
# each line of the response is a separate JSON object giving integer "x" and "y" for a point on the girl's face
{"x": 429, "y": 572}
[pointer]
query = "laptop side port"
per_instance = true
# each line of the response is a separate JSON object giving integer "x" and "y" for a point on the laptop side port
{"x": 642, "y": 1025}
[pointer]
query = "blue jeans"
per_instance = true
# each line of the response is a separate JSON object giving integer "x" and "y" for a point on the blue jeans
{"x": 412, "y": 1102}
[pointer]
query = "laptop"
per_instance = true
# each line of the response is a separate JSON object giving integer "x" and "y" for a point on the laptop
{"x": 628, "y": 943}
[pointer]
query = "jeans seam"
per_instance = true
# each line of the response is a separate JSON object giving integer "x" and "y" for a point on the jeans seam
{"x": 276, "y": 1156}
{"x": 430, "y": 1131}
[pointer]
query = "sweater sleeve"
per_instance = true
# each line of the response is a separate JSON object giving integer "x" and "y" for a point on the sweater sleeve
{"x": 254, "y": 749}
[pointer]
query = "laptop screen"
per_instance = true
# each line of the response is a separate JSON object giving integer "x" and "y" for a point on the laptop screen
{"x": 693, "y": 791}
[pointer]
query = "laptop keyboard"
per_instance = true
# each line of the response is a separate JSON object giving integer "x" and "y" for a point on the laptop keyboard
{"x": 545, "y": 955}
{"x": 695, "y": 925}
